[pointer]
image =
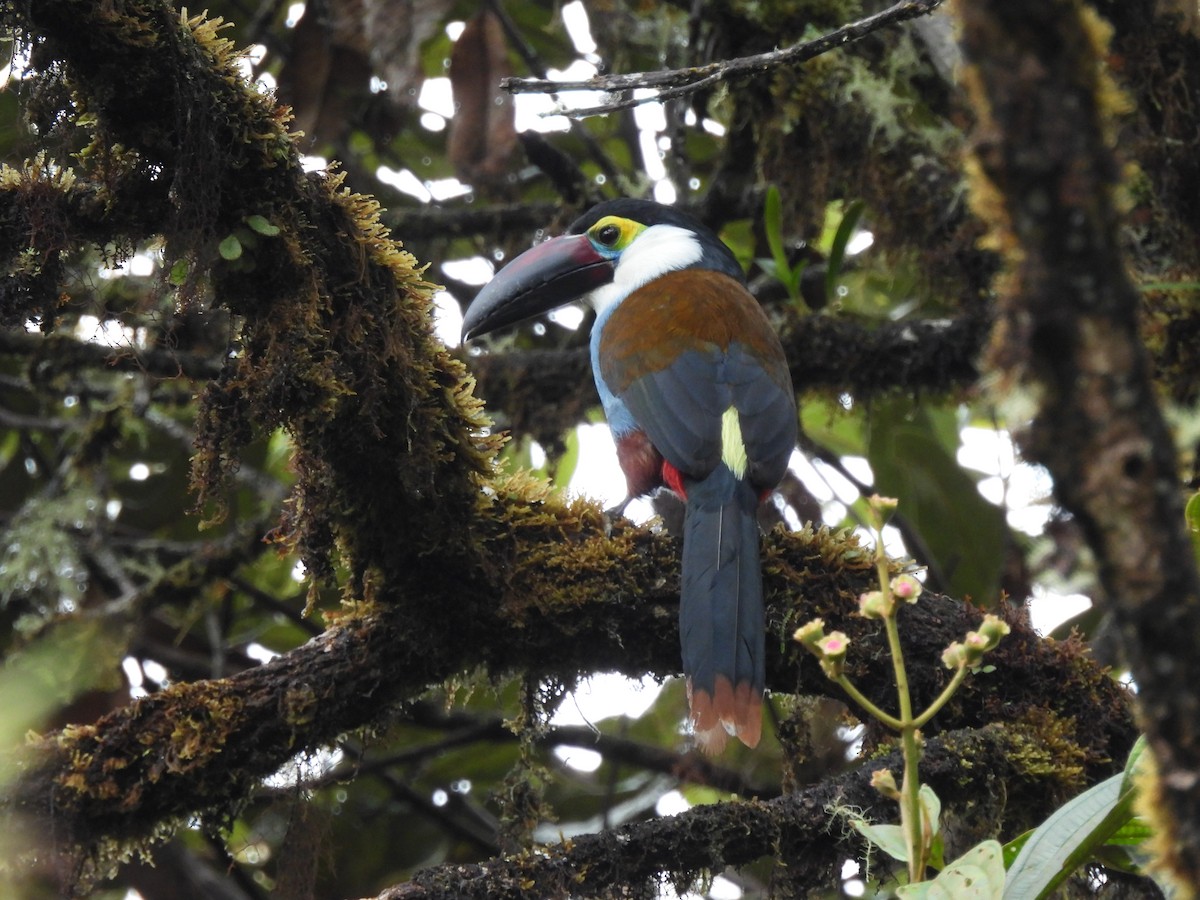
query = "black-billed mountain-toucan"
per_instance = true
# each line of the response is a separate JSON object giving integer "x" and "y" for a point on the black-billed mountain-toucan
{"x": 698, "y": 396}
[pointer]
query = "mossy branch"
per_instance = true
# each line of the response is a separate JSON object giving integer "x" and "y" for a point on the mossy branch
{"x": 964, "y": 767}
{"x": 566, "y": 598}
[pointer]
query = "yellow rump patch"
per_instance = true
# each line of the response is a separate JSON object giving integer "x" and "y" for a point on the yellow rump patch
{"x": 733, "y": 449}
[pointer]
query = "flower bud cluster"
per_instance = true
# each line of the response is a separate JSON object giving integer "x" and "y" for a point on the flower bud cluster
{"x": 881, "y": 604}
{"x": 881, "y": 509}
{"x": 875, "y": 605}
{"x": 830, "y": 648}
{"x": 969, "y": 651}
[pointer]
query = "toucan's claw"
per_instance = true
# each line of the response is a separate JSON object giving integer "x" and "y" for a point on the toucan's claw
{"x": 613, "y": 513}
{"x": 619, "y": 509}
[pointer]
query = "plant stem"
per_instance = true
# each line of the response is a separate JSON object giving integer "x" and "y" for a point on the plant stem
{"x": 868, "y": 707}
{"x": 946, "y": 694}
{"x": 910, "y": 787}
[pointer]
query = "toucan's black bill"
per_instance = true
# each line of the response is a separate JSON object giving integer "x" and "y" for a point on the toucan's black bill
{"x": 555, "y": 272}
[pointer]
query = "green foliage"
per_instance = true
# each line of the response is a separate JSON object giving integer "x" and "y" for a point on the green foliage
{"x": 1098, "y": 824}
{"x": 779, "y": 266}
{"x": 976, "y": 875}
{"x": 913, "y": 455}
{"x": 260, "y": 225}
{"x": 890, "y": 838}
{"x": 565, "y": 465}
{"x": 40, "y": 564}
{"x": 178, "y": 275}
{"x": 1191, "y": 514}
{"x": 836, "y": 257}
{"x": 53, "y": 669}
{"x": 231, "y": 248}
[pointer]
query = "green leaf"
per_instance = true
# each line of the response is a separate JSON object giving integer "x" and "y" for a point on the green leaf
{"x": 914, "y": 456}
{"x": 833, "y": 427}
{"x": 738, "y": 236}
{"x": 931, "y": 807}
{"x": 888, "y": 838}
{"x": 976, "y": 875}
{"x": 769, "y": 266}
{"x": 793, "y": 280}
{"x": 262, "y": 226}
{"x": 937, "y": 853}
{"x": 566, "y": 464}
{"x": 67, "y": 659}
{"x": 1170, "y": 286}
{"x": 1067, "y": 839}
{"x": 1134, "y": 764}
{"x": 1191, "y": 513}
{"x": 1133, "y": 833}
{"x": 773, "y": 226}
{"x": 837, "y": 251}
{"x": 1013, "y": 848}
{"x": 231, "y": 248}
{"x": 179, "y": 272}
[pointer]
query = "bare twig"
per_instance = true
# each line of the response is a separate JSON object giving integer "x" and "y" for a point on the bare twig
{"x": 463, "y": 729}
{"x": 59, "y": 352}
{"x": 535, "y": 64}
{"x": 679, "y": 82}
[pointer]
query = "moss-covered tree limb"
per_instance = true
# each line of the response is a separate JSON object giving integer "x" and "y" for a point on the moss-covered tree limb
{"x": 45, "y": 211}
{"x": 336, "y": 343}
{"x": 335, "y": 346}
{"x": 470, "y": 220}
{"x": 992, "y": 771}
{"x": 60, "y": 353}
{"x": 1067, "y": 342}
{"x": 584, "y": 601}
{"x": 1159, "y": 53}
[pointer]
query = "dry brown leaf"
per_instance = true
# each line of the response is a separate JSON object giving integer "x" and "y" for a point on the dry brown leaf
{"x": 338, "y": 45}
{"x": 483, "y": 133}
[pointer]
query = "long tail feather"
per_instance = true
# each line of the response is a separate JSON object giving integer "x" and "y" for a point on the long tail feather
{"x": 721, "y": 611}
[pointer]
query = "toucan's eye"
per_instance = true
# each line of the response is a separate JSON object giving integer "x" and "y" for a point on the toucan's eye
{"x": 609, "y": 235}
{"x": 613, "y": 233}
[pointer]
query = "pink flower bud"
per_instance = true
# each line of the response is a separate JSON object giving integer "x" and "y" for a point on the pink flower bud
{"x": 874, "y": 605}
{"x": 809, "y": 633}
{"x": 832, "y": 651}
{"x": 885, "y": 782}
{"x": 974, "y": 646}
{"x": 833, "y": 645}
{"x": 906, "y": 588}
{"x": 993, "y": 628}
{"x": 954, "y": 656}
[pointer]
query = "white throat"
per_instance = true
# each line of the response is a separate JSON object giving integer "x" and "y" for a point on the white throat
{"x": 657, "y": 250}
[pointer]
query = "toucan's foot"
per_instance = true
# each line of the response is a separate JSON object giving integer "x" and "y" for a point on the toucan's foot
{"x": 610, "y": 515}
{"x": 619, "y": 509}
